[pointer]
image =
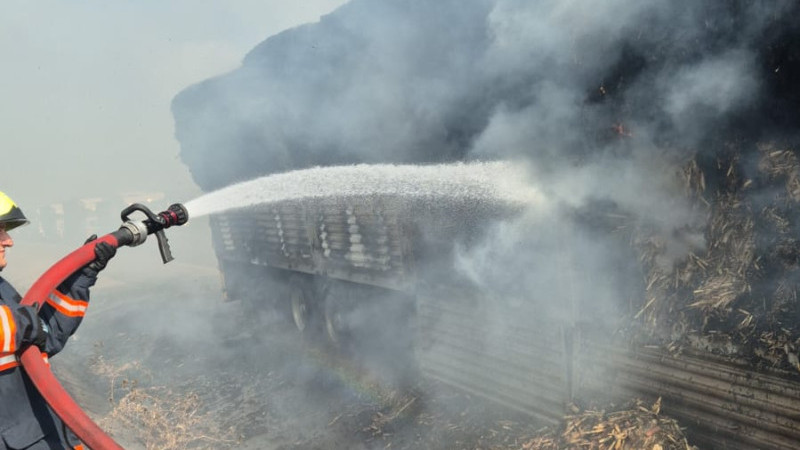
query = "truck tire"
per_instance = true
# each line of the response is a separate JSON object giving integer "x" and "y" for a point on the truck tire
{"x": 340, "y": 300}
{"x": 302, "y": 303}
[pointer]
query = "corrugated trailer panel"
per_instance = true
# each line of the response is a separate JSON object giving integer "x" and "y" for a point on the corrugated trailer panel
{"x": 728, "y": 405}
{"x": 275, "y": 237}
{"x": 519, "y": 365}
{"x": 362, "y": 243}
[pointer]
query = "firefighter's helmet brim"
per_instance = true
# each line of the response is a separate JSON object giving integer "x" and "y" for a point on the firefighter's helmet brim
{"x": 10, "y": 215}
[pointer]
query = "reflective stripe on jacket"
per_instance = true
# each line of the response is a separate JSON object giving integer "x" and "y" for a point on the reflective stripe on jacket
{"x": 26, "y": 421}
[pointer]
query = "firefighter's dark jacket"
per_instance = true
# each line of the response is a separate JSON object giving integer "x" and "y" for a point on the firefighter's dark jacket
{"x": 26, "y": 421}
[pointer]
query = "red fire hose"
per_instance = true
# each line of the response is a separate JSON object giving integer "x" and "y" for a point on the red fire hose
{"x": 131, "y": 233}
{"x": 39, "y": 372}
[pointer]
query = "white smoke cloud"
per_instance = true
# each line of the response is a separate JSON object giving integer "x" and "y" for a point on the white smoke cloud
{"x": 711, "y": 88}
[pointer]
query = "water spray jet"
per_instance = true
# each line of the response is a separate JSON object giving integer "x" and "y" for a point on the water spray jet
{"x": 477, "y": 181}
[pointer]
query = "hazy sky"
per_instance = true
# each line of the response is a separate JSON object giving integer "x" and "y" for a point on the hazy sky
{"x": 86, "y": 87}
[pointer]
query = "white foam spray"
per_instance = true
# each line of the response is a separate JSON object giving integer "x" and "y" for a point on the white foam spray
{"x": 479, "y": 181}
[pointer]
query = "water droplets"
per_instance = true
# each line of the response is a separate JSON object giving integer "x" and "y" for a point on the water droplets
{"x": 465, "y": 182}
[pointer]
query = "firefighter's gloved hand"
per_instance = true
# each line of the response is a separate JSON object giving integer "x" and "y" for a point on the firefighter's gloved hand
{"x": 37, "y": 330}
{"x": 103, "y": 252}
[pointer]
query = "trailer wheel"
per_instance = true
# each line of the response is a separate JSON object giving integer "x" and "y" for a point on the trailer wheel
{"x": 333, "y": 323}
{"x": 301, "y": 304}
{"x": 339, "y": 302}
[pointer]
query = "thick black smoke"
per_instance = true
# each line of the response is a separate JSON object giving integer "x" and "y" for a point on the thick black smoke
{"x": 559, "y": 82}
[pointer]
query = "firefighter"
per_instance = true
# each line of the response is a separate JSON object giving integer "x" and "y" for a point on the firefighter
{"x": 26, "y": 421}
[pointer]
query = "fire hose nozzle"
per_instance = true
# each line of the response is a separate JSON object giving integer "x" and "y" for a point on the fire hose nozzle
{"x": 133, "y": 233}
{"x": 176, "y": 214}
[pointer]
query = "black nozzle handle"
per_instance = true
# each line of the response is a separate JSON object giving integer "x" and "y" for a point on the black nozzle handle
{"x": 163, "y": 246}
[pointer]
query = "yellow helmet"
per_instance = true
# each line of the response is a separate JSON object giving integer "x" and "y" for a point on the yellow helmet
{"x": 10, "y": 214}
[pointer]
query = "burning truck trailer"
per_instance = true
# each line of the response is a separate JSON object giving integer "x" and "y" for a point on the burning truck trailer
{"x": 709, "y": 322}
{"x": 357, "y": 275}
{"x": 379, "y": 275}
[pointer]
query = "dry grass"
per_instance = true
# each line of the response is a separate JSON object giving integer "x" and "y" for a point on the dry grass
{"x": 156, "y": 416}
{"x": 641, "y": 427}
{"x": 781, "y": 165}
{"x": 749, "y": 241}
{"x": 730, "y": 257}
